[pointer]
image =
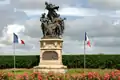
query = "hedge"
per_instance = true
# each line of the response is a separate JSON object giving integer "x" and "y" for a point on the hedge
{"x": 21, "y": 61}
{"x": 71, "y": 61}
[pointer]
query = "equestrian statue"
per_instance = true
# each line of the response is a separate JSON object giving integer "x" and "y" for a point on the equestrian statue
{"x": 52, "y": 24}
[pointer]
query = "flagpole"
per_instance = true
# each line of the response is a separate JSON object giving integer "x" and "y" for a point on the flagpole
{"x": 84, "y": 54}
{"x": 14, "y": 55}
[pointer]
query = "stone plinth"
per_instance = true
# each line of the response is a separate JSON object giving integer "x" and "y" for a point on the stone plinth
{"x": 51, "y": 56}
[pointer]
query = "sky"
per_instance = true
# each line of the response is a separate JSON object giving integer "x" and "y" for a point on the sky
{"x": 99, "y": 18}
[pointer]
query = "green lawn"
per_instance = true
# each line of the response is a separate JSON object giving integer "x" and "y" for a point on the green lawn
{"x": 100, "y": 71}
{"x": 70, "y": 71}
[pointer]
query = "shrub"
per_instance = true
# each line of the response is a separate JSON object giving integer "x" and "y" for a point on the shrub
{"x": 71, "y": 61}
{"x": 118, "y": 66}
{"x": 115, "y": 75}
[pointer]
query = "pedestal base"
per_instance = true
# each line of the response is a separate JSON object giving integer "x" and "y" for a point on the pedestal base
{"x": 48, "y": 68}
{"x": 51, "y": 56}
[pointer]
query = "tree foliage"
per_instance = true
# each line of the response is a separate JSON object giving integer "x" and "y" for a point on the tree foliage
{"x": 71, "y": 61}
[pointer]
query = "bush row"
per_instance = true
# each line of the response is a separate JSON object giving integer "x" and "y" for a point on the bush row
{"x": 114, "y": 75}
{"x": 71, "y": 61}
{"x": 21, "y": 61}
{"x": 92, "y": 61}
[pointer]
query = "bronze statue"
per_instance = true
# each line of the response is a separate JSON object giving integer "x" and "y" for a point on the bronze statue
{"x": 52, "y": 24}
{"x": 51, "y": 10}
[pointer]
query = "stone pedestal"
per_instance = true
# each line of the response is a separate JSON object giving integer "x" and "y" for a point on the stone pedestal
{"x": 51, "y": 56}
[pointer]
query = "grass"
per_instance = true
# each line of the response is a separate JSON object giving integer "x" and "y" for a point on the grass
{"x": 100, "y": 71}
{"x": 70, "y": 71}
{"x": 17, "y": 71}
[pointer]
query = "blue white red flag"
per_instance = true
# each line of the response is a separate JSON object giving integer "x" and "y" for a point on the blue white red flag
{"x": 87, "y": 40}
{"x": 16, "y": 39}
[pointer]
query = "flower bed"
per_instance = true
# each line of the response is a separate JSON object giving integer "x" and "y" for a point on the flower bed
{"x": 115, "y": 75}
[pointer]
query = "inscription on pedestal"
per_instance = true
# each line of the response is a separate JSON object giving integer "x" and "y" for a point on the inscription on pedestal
{"x": 50, "y": 55}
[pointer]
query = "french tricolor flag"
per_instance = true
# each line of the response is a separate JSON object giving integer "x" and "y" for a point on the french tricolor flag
{"x": 16, "y": 39}
{"x": 87, "y": 40}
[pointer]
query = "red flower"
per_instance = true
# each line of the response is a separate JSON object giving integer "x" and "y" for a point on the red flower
{"x": 90, "y": 75}
{"x": 107, "y": 76}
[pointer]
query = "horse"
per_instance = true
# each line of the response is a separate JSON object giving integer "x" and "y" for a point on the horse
{"x": 53, "y": 29}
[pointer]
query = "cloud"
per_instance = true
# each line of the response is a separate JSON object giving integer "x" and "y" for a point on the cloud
{"x": 29, "y": 4}
{"x": 33, "y": 28}
{"x": 34, "y": 23}
{"x": 99, "y": 26}
{"x": 40, "y": 4}
{"x": 105, "y": 4}
{"x": 6, "y": 41}
{"x": 7, "y": 37}
{"x": 12, "y": 20}
{"x": 101, "y": 32}
{"x": 4, "y": 2}
{"x": 22, "y": 17}
{"x": 78, "y": 11}
{"x": 8, "y": 16}
{"x": 107, "y": 42}
{"x": 67, "y": 11}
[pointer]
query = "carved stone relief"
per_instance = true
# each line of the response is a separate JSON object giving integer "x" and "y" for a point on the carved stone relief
{"x": 50, "y": 55}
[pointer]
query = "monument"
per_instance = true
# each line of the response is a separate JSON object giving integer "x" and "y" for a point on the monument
{"x": 52, "y": 26}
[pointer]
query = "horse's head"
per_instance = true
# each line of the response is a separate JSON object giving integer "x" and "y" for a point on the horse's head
{"x": 56, "y": 7}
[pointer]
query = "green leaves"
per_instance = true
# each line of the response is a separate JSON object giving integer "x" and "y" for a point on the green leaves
{"x": 21, "y": 61}
{"x": 71, "y": 61}
{"x": 92, "y": 61}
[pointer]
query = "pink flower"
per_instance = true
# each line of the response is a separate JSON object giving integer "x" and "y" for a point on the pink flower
{"x": 39, "y": 77}
{"x": 107, "y": 77}
{"x": 90, "y": 75}
{"x": 118, "y": 77}
{"x": 9, "y": 74}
